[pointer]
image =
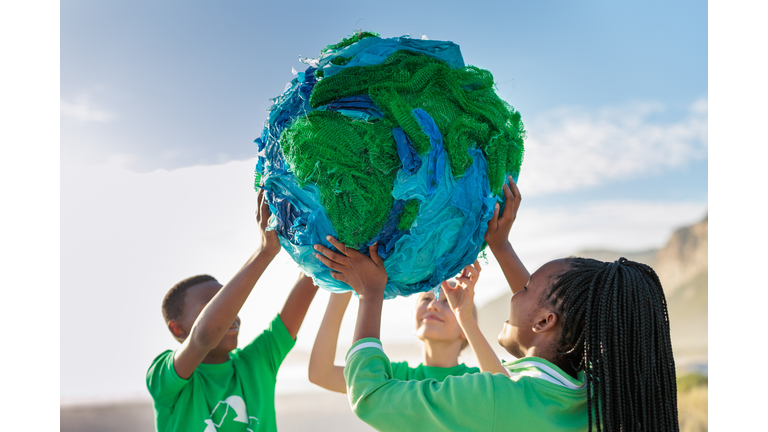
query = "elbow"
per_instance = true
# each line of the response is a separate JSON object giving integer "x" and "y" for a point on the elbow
{"x": 314, "y": 376}
{"x": 201, "y": 338}
{"x": 361, "y": 408}
{"x": 317, "y": 375}
{"x": 329, "y": 379}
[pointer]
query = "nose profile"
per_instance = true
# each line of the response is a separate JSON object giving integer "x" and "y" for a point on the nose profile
{"x": 433, "y": 304}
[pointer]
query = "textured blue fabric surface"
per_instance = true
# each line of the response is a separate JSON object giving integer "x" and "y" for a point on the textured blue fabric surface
{"x": 374, "y": 50}
{"x": 408, "y": 155}
{"x": 449, "y": 228}
{"x": 360, "y": 107}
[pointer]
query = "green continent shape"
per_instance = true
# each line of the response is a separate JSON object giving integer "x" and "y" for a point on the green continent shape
{"x": 354, "y": 163}
{"x": 462, "y": 102}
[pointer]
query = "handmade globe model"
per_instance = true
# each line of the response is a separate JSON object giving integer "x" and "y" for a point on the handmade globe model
{"x": 393, "y": 141}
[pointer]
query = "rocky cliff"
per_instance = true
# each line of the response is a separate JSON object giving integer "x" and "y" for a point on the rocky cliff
{"x": 684, "y": 257}
{"x": 681, "y": 260}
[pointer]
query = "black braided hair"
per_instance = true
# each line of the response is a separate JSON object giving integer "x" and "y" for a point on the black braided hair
{"x": 615, "y": 328}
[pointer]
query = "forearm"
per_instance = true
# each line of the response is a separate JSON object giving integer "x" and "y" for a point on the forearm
{"x": 219, "y": 314}
{"x": 368, "y": 323}
{"x": 482, "y": 349}
{"x": 322, "y": 370}
{"x": 296, "y": 305}
{"x": 514, "y": 271}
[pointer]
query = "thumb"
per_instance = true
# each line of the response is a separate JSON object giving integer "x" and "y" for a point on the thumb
{"x": 493, "y": 223}
{"x": 448, "y": 291}
{"x": 374, "y": 251}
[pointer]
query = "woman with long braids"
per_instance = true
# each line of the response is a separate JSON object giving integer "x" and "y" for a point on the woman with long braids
{"x": 591, "y": 340}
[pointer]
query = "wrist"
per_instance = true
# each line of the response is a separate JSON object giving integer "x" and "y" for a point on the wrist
{"x": 499, "y": 245}
{"x": 268, "y": 250}
{"x": 371, "y": 298}
{"x": 372, "y": 290}
{"x": 465, "y": 318}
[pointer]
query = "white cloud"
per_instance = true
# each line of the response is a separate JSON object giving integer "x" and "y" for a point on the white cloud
{"x": 571, "y": 148}
{"x": 84, "y": 110}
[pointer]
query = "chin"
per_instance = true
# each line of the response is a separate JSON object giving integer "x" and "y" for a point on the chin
{"x": 432, "y": 334}
{"x": 424, "y": 331}
{"x": 502, "y": 339}
{"x": 228, "y": 345}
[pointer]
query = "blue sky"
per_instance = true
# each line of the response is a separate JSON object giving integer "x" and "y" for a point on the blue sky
{"x": 174, "y": 84}
{"x": 160, "y": 103}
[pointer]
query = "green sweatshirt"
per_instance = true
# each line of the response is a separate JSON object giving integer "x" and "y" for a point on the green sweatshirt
{"x": 538, "y": 396}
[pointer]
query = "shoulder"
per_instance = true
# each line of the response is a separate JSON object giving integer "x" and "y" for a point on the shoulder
{"x": 163, "y": 355}
{"x": 468, "y": 370}
{"x": 543, "y": 376}
{"x": 164, "y": 358}
{"x": 271, "y": 346}
{"x": 402, "y": 364}
{"x": 275, "y": 333}
{"x": 278, "y": 331}
{"x": 163, "y": 383}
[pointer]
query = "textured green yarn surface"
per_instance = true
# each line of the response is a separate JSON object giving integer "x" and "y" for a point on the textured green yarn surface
{"x": 341, "y": 61}
{"x": 353, "y": 163}
{"x": 462, "y": 102}
{"x": 350, "y": 40}
{"x": 408, "y": 216}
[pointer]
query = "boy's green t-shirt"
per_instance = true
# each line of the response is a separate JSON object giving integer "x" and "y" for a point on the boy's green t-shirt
{"x": 538, "y": 396}
{"x": 401, "y": 371}
{"x": 236, "y": 396}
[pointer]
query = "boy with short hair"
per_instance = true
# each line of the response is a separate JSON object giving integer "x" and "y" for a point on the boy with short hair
{"x": 208, "y": 384}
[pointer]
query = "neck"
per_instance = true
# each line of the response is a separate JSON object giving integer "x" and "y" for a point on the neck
{"x": 441, "y": 354}
{"x": 216, "y": 358}
{"x": 565, "y": 364}
{"x": 550, "y": 356}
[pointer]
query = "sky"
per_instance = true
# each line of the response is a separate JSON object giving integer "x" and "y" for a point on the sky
{"x": 160, "y": 103}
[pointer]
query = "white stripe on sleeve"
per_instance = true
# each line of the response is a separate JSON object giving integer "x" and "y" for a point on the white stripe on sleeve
{"x": 364, "y": 345}
{"x": 554, "y": 376}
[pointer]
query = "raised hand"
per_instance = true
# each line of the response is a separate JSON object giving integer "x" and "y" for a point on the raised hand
{"x": 269, "y": 240}
{"x": 499, "y": 227}
{"x": 366, "y": 275}
{"x": 461, "y": 296}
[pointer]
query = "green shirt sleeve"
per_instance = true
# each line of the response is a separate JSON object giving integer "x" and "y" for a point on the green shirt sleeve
{"x": 163, "y": 382}
{"x": 387, "y": 404}
{"x": 271, "y": 346}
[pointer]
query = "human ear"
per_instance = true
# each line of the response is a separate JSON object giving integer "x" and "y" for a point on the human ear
{"x": 177, "y": 329}
{"x": 545, "y": 323}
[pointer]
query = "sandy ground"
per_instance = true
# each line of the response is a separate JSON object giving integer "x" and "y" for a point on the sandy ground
{"x": 317, "y": 411}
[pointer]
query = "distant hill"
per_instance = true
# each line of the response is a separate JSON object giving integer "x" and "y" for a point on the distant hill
{"x": 682, "y": 266}
{"x": 683, "y": 258}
